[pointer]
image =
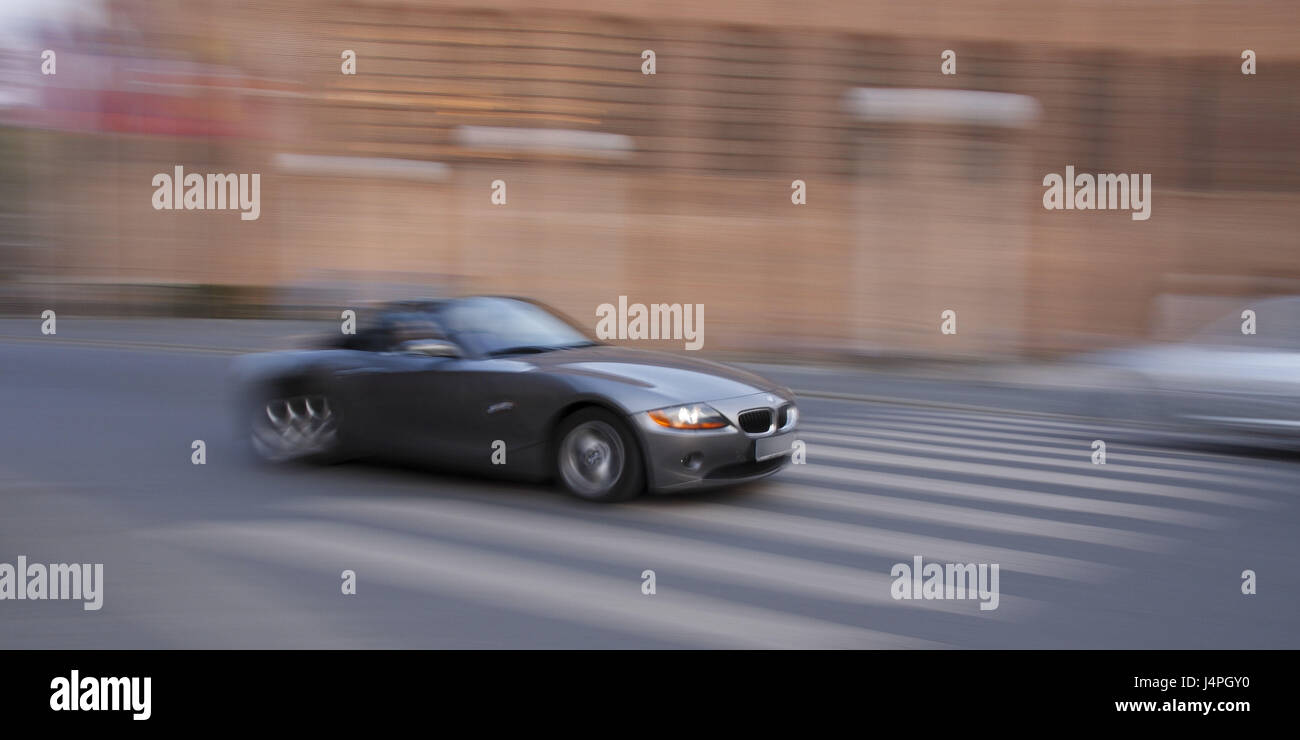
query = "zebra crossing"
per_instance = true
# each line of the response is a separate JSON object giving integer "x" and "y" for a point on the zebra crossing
{"x": 804, "y": 560}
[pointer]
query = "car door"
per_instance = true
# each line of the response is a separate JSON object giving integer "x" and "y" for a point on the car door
{"x": 408, "y": 402}
{"x": 1231, "y": 385}
{"x": 398, "y": 399}
{"x": 424, "y": 398}
{"x": 504, "y": 408}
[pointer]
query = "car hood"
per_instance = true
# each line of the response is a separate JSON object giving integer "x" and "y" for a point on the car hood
{"x": 670, "y": 377}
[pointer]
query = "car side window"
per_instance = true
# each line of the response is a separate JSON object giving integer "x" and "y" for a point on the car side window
{"x": 410, "y": 327}
{"x": 371, "y": 338}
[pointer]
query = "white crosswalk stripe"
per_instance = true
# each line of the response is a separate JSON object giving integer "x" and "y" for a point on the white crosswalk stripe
{"x": 1049, "y": 433}
{"x": 1057, "y": 453}
{"x": 881, "y": 485}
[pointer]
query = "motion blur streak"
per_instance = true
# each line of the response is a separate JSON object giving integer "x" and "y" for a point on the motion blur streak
{"x": 1107, "y": 409}
{"x": 376, "y": 184}
{"x": 234, "y": 555}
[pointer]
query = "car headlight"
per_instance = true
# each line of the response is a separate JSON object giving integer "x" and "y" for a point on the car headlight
{"x": 690, "y": 416}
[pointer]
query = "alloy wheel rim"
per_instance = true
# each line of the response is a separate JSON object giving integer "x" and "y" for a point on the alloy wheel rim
{"x": 591, "y": 458}
{"x": 294, "y": 427}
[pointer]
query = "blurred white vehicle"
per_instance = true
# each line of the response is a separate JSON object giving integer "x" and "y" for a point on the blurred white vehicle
{"x": 1219, "y": 379}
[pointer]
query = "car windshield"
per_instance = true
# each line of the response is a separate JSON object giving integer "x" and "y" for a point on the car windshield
{"x": 1277, "y": 326}
{"x": 502, "y": 326}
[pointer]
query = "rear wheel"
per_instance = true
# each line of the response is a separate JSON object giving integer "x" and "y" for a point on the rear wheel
{"x": 597, "y": 457}
{"x": 288, "y": 426}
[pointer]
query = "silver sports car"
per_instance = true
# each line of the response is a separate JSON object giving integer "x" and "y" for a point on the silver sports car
{"x": 508, "y": 387}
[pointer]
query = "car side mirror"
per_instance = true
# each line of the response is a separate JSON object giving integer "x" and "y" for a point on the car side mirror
{"x": 430, "y": 348}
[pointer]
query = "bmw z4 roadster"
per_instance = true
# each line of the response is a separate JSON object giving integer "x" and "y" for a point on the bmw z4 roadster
{"x": 508, "y": 387}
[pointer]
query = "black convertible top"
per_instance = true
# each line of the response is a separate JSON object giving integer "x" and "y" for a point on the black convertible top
{"x": 389, "y": 324}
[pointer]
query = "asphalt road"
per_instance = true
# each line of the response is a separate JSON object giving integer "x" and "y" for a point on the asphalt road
{"x": 1145, "y": 551}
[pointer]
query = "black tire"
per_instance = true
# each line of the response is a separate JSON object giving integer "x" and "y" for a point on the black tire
{"x": 597, "y": 457}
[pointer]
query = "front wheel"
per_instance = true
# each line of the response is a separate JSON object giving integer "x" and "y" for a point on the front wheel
{"x": 597, "y": 458}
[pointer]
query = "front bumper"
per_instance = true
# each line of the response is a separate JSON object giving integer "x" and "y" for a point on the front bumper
{"x": 678, "y": 460}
